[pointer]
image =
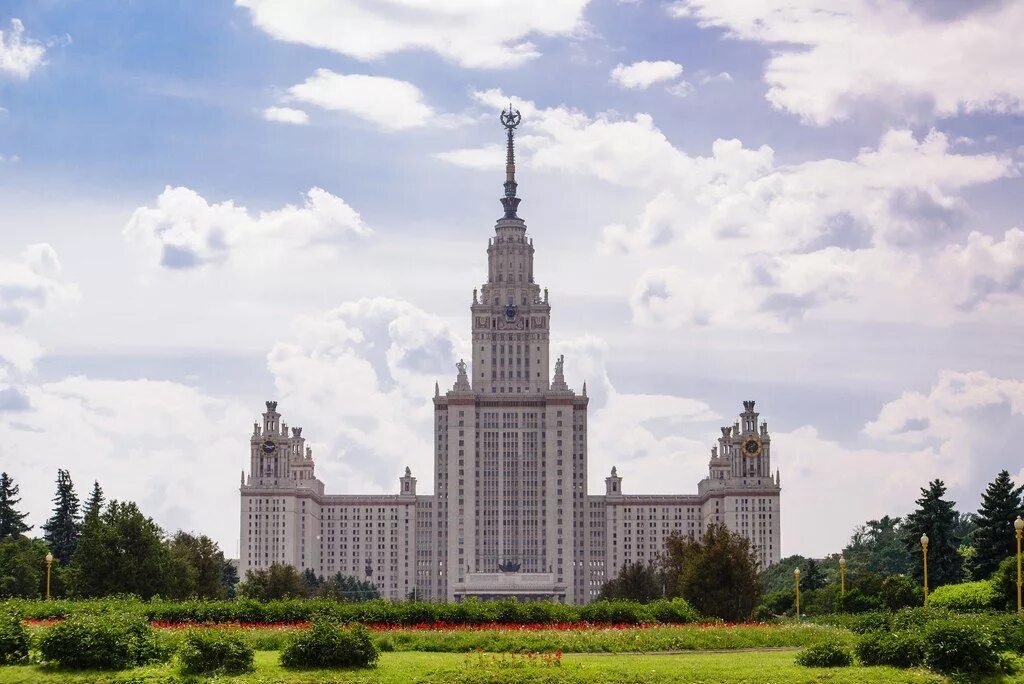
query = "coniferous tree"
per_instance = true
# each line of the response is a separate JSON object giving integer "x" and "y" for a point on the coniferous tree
{"x": 812, "y": 577}
{"x": 12, "y": 522}
{"x": 993, "y": 538}
{"x": 94, "y": 505}
{"x": 62, "y": 529}
{"x": 937, "y": 518}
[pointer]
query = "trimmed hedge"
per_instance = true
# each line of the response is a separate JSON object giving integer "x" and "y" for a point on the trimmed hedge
{"x": 378, "y": 611}
{"x": 13, "y": 640}
{"x": 826, "y": 654}
{"x": 327, "y": 645}
{"x": 107, "y": 642}
{"x": 965, "y": 597}
{"x": 209, "y": 652}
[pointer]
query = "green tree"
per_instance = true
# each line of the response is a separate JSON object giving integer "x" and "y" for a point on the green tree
{"x": 717, "y": 574}
{"x": 276, "y": 582}
{"x": 877, "y": 546}
{"x": 62, "y": 529}
{"x": 899, "y": 591}
{"x": 311, "y": 580}
{"x": 121, "y": 552}
{"x": 229, "y": 578}
{"x": 637, "y": 582}
{"x": 12, "y": 522}
{"x": 936, "y": 517}
{"x": 197, "y": 567}
{"x": 993, "y": 538}
{"x": 349, "y": 589}
{"x": 779, "y": 577}
{"x": 22, "y": 568}
{"x": 94, "y": 505}
{"x": 811, "y": 577}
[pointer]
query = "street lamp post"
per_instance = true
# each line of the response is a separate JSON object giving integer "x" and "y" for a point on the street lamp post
{"x": 1018, "y": 527}
{"x": 842, "y": 575}
{"x": 924, "y": 556}
{"x": 796, "y": 578}
{"x": 49, "y": 564}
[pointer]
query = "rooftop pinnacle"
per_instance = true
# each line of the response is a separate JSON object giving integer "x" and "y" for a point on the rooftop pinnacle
{"x": 510, "y": 120}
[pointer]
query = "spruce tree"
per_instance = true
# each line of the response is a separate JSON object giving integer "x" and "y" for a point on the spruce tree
{"x": 937, "y": 518}
{"x": 62, "y": 529}
{"x": 994, "y": 539}
{"x": 812, "y": 577}
{"x": 94, "y": 506}
{"x": 12, "y": 523}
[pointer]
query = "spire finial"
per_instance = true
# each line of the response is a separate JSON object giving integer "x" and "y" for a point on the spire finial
{"x": 510, "y": 120}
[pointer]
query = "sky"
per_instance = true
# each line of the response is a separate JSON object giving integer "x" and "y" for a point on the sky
{"x": 810, "y": 203}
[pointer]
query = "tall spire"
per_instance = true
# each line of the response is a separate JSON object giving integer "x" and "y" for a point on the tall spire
{"x": 510, "y": 119}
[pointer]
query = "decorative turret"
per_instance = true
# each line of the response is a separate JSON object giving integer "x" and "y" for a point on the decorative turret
{"x": 407, "y": 483}
{"x": 613, "y": 484}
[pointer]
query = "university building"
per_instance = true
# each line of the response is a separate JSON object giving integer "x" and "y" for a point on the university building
{"x": 510, "y": 515}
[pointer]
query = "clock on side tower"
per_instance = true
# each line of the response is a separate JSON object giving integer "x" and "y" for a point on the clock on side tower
{"x": 750, "y": 444}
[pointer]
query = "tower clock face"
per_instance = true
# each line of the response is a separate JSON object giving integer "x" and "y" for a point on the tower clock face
{"x": 751, "y": 446}
{"x": 269, "y": 447}
{"x": 510, "y": 311}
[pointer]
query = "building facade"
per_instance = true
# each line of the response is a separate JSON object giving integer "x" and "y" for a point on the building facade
{"x": 510, "y": 515}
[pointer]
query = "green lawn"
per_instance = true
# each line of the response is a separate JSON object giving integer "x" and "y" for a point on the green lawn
{"x": 774, "y": 666}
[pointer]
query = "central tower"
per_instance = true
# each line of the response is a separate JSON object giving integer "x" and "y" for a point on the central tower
{"x": 510, "y": 318}
{"x": 510, "y": 440}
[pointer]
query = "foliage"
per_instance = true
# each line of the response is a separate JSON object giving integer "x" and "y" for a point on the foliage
{"x": 856, "y": 601}
{"x": 636, "y": 582}
{"x": 94, "y": 505}
{"x": 342, "y": 587}
{"x": 900, "y": 591}
{"x": 967, "y": 596}
{"x": 197, "y": 567}
{"x": 993, "y": 538}
{"x": 325, "y": 645}
{"x": 210, "y": 652}
{"x": 716, "y": 574}
{"x": 13, "y": 639}
{"x": 1004, "y": 582}
{"x": 953, "y": 647}
{"x": 877, "y": 546}
{"x": 276, "y": 582}
{"x": 779, "y": 576}
{"x": 775, "y": 604}
{"x": 62, "y": 529}
{"x": 825, "y": 654}
{"x": 22, "y": 567}
{"x": 103, "y": 642}
{"x": 120, "y": 552}
{"x": 811, "y": 577}
{"x": 937, "y": 518}
{"x": 12, "y": 523}
{"x": 896, "y": 649}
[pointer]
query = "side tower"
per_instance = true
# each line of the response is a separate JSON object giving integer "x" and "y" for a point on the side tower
{"x": 740, "y": 490}
{"x": 510, "y": 440}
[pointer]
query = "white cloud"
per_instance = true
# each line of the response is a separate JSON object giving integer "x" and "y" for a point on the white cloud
{"x": 681, "y": 89}
{"x": 169, "y": 447}
{"x": 31, "y": 284}
{"x": 642, "y": 75}
{"x": 188, "y": 232}
{"x": 472, "y": 33}
{"x": 286, "y": 115}
{"x": 735, "y": 239}
{"x": 488, "y": 157}
{"x": 19, "y": 56}
{"x": 391, "y": 104}
{"x": 830, "y": 57}
{"x": 720, "y": 77}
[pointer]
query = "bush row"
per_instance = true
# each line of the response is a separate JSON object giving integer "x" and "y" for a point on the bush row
{"x": 378, "y": 611}
{"x": 119, "y": 642}
{"x": 934, "y": 638}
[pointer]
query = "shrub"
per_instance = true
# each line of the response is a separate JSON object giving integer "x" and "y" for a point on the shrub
{"x": 968, "y": 596}
{"x": 952, "y": 646}
{"x": 856, "y": 601}
{"x": 668, "y": 611}
{"x": 896, "y": 649}
{"x": 900, "y": 591}
{"x": 209, "y": 652}
{"x": 326, "y": 644}
{"x": 13, "y": 640}
{"x": 826, "y": 654}
{"x": 101, "y": 642}
{"x": 1004, "y": 582}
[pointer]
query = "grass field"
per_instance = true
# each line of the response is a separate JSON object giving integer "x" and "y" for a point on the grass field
{"x": 746, "y": 666}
